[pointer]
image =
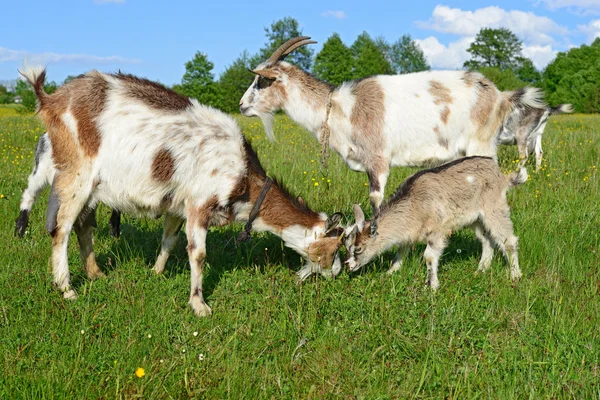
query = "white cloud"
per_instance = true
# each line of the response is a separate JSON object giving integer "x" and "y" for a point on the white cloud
{"x": 441, "y": 56}
{"x": 526, "y": 25}
{"x": 592, "y": 29}
{"x": 579, "y": 6}
{"x": 44, "y": 58}
{"x": 109, "y": 1}
{"x": 540, "y": 55}
{"x": 334, "y": 14}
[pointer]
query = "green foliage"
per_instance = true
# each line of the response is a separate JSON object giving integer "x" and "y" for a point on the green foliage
{"x": 574, "y": 77}
{"x": 365, "y": 335}
{"x": 334, "y": 62}
{"x": 234, "y": 81}
{"x": 28, "y": 100}
{"x": 69, "y": 78}
{"x": 198, "y": 81}
{"x": 407, "y": 57}
{"x": 5, "y": 96}
{"x": 278, "y": 33}
{"x": 526, "y": 72}
{"x": 498, "y": 48}
{"x": 504, "y": 80}
{"x": 369, "y": 59}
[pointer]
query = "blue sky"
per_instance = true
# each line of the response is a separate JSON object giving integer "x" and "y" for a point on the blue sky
{"x": 154, "y": 38}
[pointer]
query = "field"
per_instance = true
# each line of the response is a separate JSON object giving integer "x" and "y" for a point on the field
{"x": 363, "y": 335}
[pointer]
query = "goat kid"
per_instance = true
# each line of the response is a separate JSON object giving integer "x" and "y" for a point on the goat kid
{"x": 42, "y": 176}
{"x": 432, "y": 204}
{"x": 141, "y": 148}
{"x": 525, "y": 128}
{"x": 382, "y": 121}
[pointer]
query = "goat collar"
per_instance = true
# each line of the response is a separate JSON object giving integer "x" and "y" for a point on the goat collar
{"x": 325, "y": 133}
{"x": 244, "y": 236}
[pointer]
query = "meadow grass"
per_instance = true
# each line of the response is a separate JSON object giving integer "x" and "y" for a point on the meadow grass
{"x": 363, "y": 335}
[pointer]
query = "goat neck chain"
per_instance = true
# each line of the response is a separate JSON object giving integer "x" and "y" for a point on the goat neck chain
{"x": 325, "y": 133}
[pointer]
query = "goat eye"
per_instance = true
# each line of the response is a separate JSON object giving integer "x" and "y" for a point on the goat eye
{"x": 263, "y": 82}
{"x": 358, "y": 250}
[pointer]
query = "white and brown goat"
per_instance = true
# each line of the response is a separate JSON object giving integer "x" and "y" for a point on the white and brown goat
{"x": 41, "y": 176}
{"x": 432, "y": 204}
{"x": 143, "y": 149}
{"x": 525, "y": 128}
{"x": 382, "y": 121}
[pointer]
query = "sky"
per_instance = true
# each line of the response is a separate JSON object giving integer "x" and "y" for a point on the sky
{"x": 154, "y": 39}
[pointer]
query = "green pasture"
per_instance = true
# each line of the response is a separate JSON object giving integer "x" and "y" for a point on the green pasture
{"x": 361, "y": 336}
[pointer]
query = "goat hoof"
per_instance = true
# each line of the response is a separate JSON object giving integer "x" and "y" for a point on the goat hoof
{"x": 201, "y": 309}
{"x": 70, "y": 295}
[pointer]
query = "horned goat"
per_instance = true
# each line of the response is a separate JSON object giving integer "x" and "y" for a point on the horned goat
{"x": 42, "y": 176}
{"x": 433, "y": 203}
{"x": 525, "y": 128}
{"x": 143, "y": 149}
{"x": 382, "y": 121}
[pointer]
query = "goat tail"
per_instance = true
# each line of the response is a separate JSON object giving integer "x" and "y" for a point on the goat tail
{"x": 36, "y": 76}
{"x": 517, "y": 178}
{"x": 529, "y": 97}
{"x": 562, "y": 109}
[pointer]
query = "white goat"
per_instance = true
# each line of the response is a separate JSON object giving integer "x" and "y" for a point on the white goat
{"x": 141, "y": 148}
{"x": 42, "y": 176}
{"x": 432, "y": 204}
{"x": 525, "y": 128}
{"x": 383, "y": 121}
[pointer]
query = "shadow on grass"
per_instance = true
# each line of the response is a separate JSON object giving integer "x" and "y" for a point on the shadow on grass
{"x": 142, "y": 241}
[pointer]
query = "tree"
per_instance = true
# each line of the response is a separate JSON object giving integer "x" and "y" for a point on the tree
{"x": 406, "y": 56}
{"x": 574, "y": 77}
{"x": 498, "y": 48}
{"x": 5, "y": 96}
{"x": 527, "y": 72}
{"x": 277, "y": 34}
{"x": 368, "y": 58}
{"x": 334, "y": 62}
{"x": 198, "y": 81}
{"x": 504, "y": 80}
{"x": 234, "y": 81}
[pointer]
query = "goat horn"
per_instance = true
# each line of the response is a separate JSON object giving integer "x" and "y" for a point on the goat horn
{"x": 299, "y": 44}
{"x": 281, "y": 51}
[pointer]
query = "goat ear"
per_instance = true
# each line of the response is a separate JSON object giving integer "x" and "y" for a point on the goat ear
{"x": 333, "y": 222}
{"x": 359, "y": 216}
{"x": 269, "y": 73}
{"x": 300, "y": 200}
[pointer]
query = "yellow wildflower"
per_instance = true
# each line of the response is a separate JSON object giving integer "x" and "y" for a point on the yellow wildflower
{"x": 140, "y": 372}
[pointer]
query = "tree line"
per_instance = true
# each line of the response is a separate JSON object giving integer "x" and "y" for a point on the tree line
{"x": 572, "y": 77}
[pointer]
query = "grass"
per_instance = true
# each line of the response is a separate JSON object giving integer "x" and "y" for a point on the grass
{"x": 365, "y": 335}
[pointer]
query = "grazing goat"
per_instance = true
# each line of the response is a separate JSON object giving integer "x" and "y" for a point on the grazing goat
{"x": 525, "y": 128}
{"x": 143, "y": 149}
{"x": 382, "y": 121}
{"x": 433, "y": 203}
{"x": 42, "y": 176}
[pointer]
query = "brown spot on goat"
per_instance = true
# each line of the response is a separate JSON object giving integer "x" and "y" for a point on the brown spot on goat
{"x": 487, "y": 97}
{"x": 323, "y": 251}
{"x": 163, "y": 166}
{"x": 152, "y": 94}
{"x": 441, "y": 140}
{"x": 368, "y": 112}
{"x": 470, "y": 78}
{"x": 445, "y": 114}
{"x": 87, "y": 103}
{"x": 279, "y": 209}
{"x": 440, "y": 93}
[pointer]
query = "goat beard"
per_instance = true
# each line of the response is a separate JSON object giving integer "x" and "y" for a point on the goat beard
{"x": 267, "y": 121}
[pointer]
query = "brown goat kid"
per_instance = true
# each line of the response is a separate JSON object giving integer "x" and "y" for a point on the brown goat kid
{"x": 432, "y": 204}
{"x": 143, "y": 149}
